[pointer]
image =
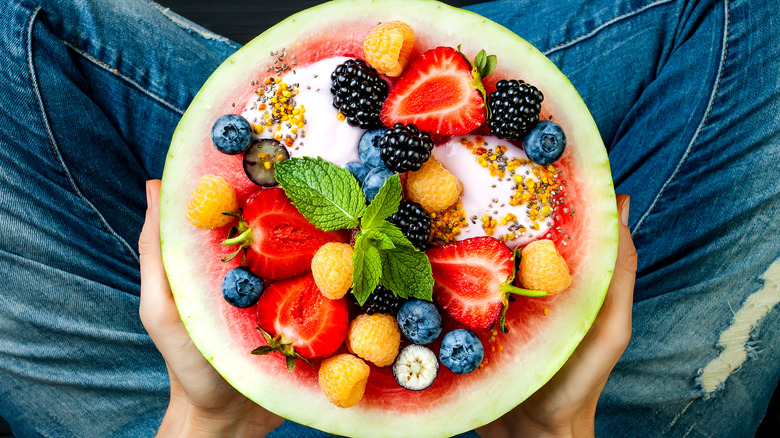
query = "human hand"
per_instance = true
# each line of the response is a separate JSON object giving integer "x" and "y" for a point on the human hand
{"x": 202, "y": 403}
{"x": 566, "y": 405}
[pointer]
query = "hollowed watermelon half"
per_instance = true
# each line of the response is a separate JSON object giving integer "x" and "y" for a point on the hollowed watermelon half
{"x": 543, "y": 331}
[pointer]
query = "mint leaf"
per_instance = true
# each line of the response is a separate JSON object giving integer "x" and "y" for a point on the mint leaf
{"x": 379, "y": 239}
{"x": 326, "y": 194}
{"x": 366, "y": 268}
{"x": 385, "y": 203}
{"x": 393, "y": 233}
{"x": 407, "y": 272}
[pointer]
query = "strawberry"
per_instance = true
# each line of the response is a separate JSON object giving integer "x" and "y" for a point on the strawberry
{"x": 299, "y": 322}
{"x": 441, "y": 93}
{"x": 473, "y": 280}
{"x": 279, "y": 241}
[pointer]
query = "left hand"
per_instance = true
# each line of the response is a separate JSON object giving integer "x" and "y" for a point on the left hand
{"x": 202, "y": 403}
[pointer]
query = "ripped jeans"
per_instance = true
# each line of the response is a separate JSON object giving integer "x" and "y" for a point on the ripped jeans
{"x": 686, "y": 96}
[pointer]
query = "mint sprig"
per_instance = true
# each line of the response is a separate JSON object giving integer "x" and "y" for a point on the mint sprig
{"x": 327, "y": 195}
{"x": 331, "y": 199}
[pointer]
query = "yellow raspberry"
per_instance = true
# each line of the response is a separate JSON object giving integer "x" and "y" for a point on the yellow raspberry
{"x": 433, "y": 187}
{"x": 375, "y": 338}
{"x": 332, "y": 269}
{"x": 343, "y": 378}
{"x": 543, "y": 268}
{"x": 388, "y": 46}
{"x": 211, "y": 197}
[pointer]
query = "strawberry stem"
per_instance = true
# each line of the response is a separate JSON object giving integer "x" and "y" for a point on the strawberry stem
{"x": 482, "y": 67}
{"x": 509, "y": 288}
{"x": 280, "y": 345}
{"x": 241, "y": 235}
{"x": 246, "y": 235}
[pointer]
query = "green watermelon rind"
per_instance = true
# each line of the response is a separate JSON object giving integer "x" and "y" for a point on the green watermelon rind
{"x": 185, "y": 262}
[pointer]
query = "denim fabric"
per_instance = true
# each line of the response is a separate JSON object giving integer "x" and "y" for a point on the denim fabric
{"x": 686, "y": 95}
{"x": 90, "y": 94}
{"x": 686, "y": 105}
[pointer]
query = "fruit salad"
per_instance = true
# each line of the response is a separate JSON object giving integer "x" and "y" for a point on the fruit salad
{"x": 338, "y": 239}
{"x": 387, "y": 219}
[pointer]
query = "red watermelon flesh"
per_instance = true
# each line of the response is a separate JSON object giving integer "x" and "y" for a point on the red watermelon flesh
{"x": 543, "y": 331}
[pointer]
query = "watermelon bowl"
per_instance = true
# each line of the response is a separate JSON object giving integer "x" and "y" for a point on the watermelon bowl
{"x": 543, "y": 332}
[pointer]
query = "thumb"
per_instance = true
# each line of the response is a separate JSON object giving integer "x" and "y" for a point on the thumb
{"x": 626, "y": 264}
{"x": 155, "y": 291}
{"x": 149, "y": 241}
{"x": 616, "y": 310}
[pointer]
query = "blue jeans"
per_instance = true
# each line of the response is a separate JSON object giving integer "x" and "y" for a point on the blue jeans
{"x": 686, "y": 96}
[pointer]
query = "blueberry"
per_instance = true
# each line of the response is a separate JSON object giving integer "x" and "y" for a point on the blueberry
{"x": 461, "y": 351}
{"x": 545, "y": 143}
{"x": 419, "y": 321}
{"x": 374, "y": 181}
{"x": 358, "y": 170}
{"x": 242, "y": 287}
{"x": 231, "y": 134}
{"x": 368, "y": 148}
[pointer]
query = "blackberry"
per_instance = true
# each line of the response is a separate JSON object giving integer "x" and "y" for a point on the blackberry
{"x": 404, "y": 147}
{"x": 358, "y": 93}
{"x": 414, "y": 222}
{"x": 382, "y": 300}
{"x": 515, "y": 107}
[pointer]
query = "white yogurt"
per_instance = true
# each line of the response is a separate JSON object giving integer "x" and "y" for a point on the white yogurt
{"x": 323, "y": 134}
{"x": 489, "y": 195}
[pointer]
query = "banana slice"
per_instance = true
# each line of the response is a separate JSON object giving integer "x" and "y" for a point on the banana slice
{"x": 416, "y": 367}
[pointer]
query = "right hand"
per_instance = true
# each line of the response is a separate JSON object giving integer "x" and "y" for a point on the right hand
{"x": 566, "y": 405}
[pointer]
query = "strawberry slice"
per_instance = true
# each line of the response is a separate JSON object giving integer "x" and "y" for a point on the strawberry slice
{"x": 473, "y": 279}
{"x": 279, "y": 241}
{"x": 304, "y": 323}
{"x": 441, "y": 93}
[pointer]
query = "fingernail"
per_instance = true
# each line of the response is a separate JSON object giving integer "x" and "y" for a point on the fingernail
{"x": 624, "y": 211}
{"x": 148, "y": 196}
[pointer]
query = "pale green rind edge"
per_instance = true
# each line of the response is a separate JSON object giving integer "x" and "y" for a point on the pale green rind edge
{"x": 473, "y": 408}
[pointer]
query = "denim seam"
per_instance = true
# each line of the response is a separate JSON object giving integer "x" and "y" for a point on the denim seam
{"x": 53, "y": 141}
{"x": 702, "y": 124}
{"x": 603, "y": 26}
{"x": 91, "y": 58}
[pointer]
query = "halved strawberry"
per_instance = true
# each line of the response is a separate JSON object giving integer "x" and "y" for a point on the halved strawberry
{"x": 441, "y": 93}
{"x": 302, "y": 321}
{"x": 279, "y": 241}
{"x": 473, "y": 278}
